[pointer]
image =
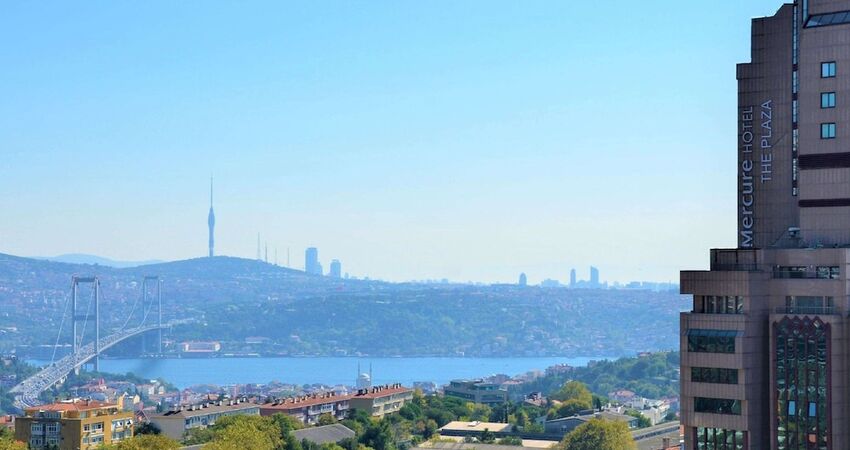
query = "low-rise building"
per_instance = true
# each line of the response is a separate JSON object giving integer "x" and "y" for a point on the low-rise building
{"x": 74, "y": 425}
{"x": 477, "y": 391}
{"x": 381, "y": 400}
{"x": 476, "y": 429}
{"x": 564, "y": 425}
{"x": 176, "y": 422}
{"x": 7, "y": 422}
{"x": 308, "y": 408}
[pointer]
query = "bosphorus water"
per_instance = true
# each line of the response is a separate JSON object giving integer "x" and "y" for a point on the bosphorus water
{"x": 325, "y": 370}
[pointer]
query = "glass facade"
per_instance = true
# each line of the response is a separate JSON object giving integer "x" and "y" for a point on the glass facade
{"x": 828, "y": 272}
{"x": 711, "y": 341}
{"x": 822, "y": 20}
{"x": 714, "y": 375}
{"x": 799, "y": 304}
{"x": 718, "y": 304}
{"x": 725, "y": 406}
{"x": 720, "y": 439}
{"x": 802, "y": 383}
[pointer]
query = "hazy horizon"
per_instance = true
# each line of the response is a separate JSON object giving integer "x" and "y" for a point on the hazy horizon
{"x": 469, "y": 141}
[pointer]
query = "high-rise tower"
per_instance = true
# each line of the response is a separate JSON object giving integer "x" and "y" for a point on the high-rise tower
{"x": 211, "y": 221}
{"x": 311, "y": 261}
{"x": 764, "y": 351}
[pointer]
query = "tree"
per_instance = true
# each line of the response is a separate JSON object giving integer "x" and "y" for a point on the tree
{"x": 326, "y": 419}
{"x": 379, "y": 436}
{"x": 643, "y": 421}
{"x": 241, "y": 432}
{"x": 487, "y": 436}
{"x": 575, "y": 390}
{"x": 568, "y": 408}
{"x": 7, "y": 443}
{"x": 575, "y": 397}
{"x": 147, "y": 428}
{"x": 599, "y": 434}
{"x": 145, "y": 442}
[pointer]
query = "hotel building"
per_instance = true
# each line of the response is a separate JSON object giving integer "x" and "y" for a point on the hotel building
{"x": 765, "y": 356}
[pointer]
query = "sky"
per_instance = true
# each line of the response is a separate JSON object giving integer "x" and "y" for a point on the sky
{"x": 411, "y": 140}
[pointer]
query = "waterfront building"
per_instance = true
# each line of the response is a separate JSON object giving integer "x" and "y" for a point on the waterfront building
{"x": 523, "y": 280}
{"x": 381, "y": 400}
{"x": 764, "y": 349}
{"x": 74, "y": 425}
{"x": 594, "y": 277}
{"x": 308, "y": 408}
{"x": 176, "y": 422}
{"x": 573, "y": 278}
{"x": 477, "y": 391}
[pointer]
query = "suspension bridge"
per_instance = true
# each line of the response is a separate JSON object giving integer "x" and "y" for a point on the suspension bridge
{"x": 82, "y": 317}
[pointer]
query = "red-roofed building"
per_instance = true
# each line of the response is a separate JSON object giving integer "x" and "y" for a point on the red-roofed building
{"x": 381, "y": 400}
{"x": 74, "y": 425}
{"x": 308, "y": 408}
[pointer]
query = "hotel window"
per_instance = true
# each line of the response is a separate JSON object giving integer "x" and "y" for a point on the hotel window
{"x": 718, "y": 304}
{"x": 711, "y": 341}
{"x": 828, "y": 272}
{"x": 827, "y": 69}
{"x": 827, "y": 100}
{"x": 714, "y": 375}
{"x": 800, "y": 304}
{"x": 827, "y": 131}
{"x": 717, "y": 406}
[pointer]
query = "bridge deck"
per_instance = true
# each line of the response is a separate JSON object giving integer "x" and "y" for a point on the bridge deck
{"x": 27, "y": 392}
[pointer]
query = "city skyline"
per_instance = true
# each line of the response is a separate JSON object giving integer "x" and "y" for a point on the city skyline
{"x": 415, "y": 187}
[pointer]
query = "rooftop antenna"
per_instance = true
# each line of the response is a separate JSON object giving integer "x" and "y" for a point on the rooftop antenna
{"x": 267, "y": 252}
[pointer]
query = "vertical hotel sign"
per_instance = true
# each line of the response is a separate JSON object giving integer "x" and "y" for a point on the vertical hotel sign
{"x": 756, "y": 155}
{"x": 747, "y": 200}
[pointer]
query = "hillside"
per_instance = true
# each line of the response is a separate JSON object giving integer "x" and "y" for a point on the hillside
{"x": 231, "y": 299}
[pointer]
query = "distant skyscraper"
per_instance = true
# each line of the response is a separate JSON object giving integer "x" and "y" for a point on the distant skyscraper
{"x": 211, "y": 220}
{"x": 523, "y": 280}
{"x": 594, "y": 276}
{"x": 336, "y": 269}
{"x": 573, "y": 278}
{"x": 311, "y": 261}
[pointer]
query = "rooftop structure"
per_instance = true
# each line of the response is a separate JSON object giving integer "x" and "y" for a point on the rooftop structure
{"x": 477, "y": 391}
{"x": 177, "y": 421}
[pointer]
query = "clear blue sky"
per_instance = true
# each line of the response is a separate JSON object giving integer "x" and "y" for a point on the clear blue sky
{"x": 469, "y": 140}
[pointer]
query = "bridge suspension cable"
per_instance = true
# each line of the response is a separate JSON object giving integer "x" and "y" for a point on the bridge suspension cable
{"x": 61, "y": 325}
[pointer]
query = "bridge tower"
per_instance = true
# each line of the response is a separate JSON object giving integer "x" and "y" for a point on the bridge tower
{"x": 77, "y": 317}
{"x": 156, "y": 297}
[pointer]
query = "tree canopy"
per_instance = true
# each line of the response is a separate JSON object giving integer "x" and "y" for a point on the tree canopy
{"x": 575, "y": 397}
{"x": 145, "y": 442}
{"x": 599, "y": 434}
